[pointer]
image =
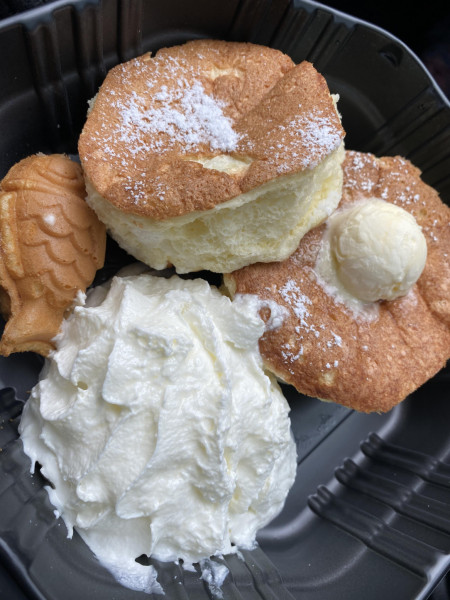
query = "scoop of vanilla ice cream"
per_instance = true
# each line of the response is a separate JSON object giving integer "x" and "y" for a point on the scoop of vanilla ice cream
{"x": 378, "y": 250}
{"x": 157, "y": 426}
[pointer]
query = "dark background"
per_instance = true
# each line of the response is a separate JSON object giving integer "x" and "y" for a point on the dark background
{"x": 423, "y": 26}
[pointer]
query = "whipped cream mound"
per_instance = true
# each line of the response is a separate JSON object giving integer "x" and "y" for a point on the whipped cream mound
{"x": 373, "y": 250}
{"x": 157, "y": 426}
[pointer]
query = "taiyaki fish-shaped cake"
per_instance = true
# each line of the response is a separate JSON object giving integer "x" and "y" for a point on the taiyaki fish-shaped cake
{"x": 51, "y": 245}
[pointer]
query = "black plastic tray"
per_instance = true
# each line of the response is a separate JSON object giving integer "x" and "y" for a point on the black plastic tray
{"x": 369, "y": 513}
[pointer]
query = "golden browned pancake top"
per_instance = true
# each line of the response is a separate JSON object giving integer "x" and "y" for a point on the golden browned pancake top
{"x": 327, "y": 351}
{"x": 199, "y": 100}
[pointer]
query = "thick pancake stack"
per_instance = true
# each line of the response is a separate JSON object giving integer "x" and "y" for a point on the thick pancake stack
{"x": 212, "y": 155}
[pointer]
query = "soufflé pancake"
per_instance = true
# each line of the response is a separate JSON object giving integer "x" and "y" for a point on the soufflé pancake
{"x": 348, "y": 347}
{"x": 212, "y": 155}
{"x": 51, "y": 246}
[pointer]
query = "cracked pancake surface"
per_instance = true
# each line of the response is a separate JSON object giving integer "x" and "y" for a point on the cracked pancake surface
{"x": 197, "y": 132}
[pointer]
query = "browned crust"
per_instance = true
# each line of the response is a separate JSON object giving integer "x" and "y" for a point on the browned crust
{"x": 51, "y": 246}
{"x": 323, "y": 350}
{"x": 283, "y": 115}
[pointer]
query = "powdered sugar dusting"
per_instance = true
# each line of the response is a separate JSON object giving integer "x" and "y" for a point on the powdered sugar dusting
{"x": 305, "y": 330}
{"x": 299, "y": 303}
{"x": 352, "y": 179}
{"x": 135, "y": 188}
{"x": 309, "y": 137}
{"x": 317, "y": 132}
{"x": 185, "y": 113}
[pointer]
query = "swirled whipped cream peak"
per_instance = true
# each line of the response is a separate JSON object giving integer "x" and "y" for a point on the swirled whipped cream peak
{"x": 373, "y": 250}
{"x": 157, "y": 426}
